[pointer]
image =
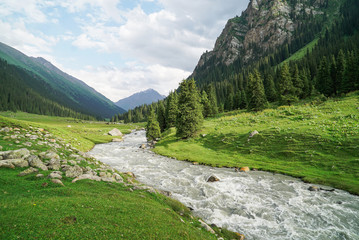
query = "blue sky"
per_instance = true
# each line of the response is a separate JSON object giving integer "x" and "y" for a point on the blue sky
{"x": 118, "y": 47}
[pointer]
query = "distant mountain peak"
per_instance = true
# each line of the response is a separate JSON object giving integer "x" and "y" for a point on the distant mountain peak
{"x": 147, "y": 96}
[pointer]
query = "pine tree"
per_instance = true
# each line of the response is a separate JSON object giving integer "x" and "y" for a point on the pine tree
{"x": 189, "y": 118}
{"x": 171, "y": 110}
{"x": 237, "y": 100}
{"x": 341, "y": 65}
{"x": 212, "y": 99}
{"x": 333, "y": 75}
{"x": 205, "y": 105}
{"x": 286, "y": 88}
{"x": 270, "y": 90}
{"x": 153, "y": 130}
{"x": 256, "y": 95}
{"x": 324, "y": 83}
{"x": 297, "y": 81}
{"x": 161, "y": 116}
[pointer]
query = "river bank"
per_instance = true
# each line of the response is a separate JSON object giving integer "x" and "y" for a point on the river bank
{"x": 258, "y": 204}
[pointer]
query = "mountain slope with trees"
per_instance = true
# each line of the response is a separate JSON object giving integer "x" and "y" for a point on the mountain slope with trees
{"x": 57, "y": 86}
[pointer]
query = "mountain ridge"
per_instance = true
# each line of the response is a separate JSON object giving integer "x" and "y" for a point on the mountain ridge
{"x": 68, "y": 90}
{"x": 137, "y": 99}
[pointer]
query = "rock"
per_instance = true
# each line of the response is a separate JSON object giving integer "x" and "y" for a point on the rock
{"x": 212, "y": 179}
{"x": 131, "y": 174}
{"x": 51, "y": 154}
{"x": 143, "y": 146}
{"x": 74, "y": 172}
{"x": 40, "y": 175}
{"x": 240, "y": 236}
{"x": 117, "y": 140}
{"x": 203, "y": 135}
{"x": 18, "y": 162}
{"x": 68, "y": 126}
{"x": 54, "y": 175}
{"x": 28, "y": 144}
{"x": 244, "y": 169}
{"x": 117, "y": 177}
{"x": 28, "y": 171}
{"x": 64, "y": 168}
{"x": 5, "y": 129}
{"x": 54, "y": 164}
{"x": 115, "y": 132}
{"x": 313, "y": 189}
{"x": 252, "y": 134}
{"x": 0, "y": 148}
{"x": 72, "y": 162}
{"x": 205, "y": 226}
{"x": 57, "y": 181}
{"x": 195, "y": 163}
{"x": 6, "y": 164}
{"x": 34, "y": 161}
{"x": 108, "y": 179}
{"x": 87, "y": 176}
{"x": 15, "y": 154}
{"x": 33, "y": 137}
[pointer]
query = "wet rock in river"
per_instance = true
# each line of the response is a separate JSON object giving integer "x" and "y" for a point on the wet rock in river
{"x": 213, "y": 179}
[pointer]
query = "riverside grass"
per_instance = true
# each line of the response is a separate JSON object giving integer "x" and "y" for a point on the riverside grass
{"x": 312, "y": 140}
{"x": 33, "y": 208}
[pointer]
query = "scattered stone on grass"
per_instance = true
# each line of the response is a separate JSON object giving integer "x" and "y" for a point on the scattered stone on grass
{"x": 28, "y": 171}
{"x": 57, "y": 181}
{"x": 35, "y": 161}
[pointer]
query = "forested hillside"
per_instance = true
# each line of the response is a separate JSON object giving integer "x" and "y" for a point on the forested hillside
{"x": 54, "y": 85}
{"x": 321, "y": 57}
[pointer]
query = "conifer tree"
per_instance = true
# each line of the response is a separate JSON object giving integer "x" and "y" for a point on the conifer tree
{"x": 153, "y": 130}
{"x": 237, "y": 100}
{"x": 212, "y": 99}
{"x": 340, "y": 71}
{"x": 256, "y": 95}
{"x": 243, "y": 103}
{"x": 171, "y": 110}
{"x": 161, "y": 116}
{"x": 205, "y": 105}
{"x": 270, "y": 90}
{"x": 286, "y": 88}
{"x": 189, "y": 118}
{"x": 324, "y": 83}
{"x": 297, "y": 81}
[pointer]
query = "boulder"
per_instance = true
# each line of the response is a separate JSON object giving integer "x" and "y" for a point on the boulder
{"x": 115, "y": 132}
{"x": 87, "y": 176}
{"x": 40, "y": 175}
{"x": 143, "y": 146}
{"x": 54, "y": 175}
{"x": 212, "y": 179}
{"x": 15, "y": 154}
{"x": 117, "y": 177}
{"x": 28, "y": 171}
{"x": 131, "y": 174}
{"x": 6, "y": 164}
{"x": 108, "y": 179}
{"x": 51, "y": 155}
{"x": 205, "y": 226}
{"x": 18, "y": 162}
{"x": 57, "y": 181}
{"x": 252, "y": 134}
{"x": 74, "y": 171}
{"x": 313, "y": 189}
{"x": 54, "y": 164}
{"x": 0, "y": 148}
{"x": 34, "y": 161}
{"x": 244, "y": 169}
{"x": 33, "y": 137}
{"x": 117, "y": 140}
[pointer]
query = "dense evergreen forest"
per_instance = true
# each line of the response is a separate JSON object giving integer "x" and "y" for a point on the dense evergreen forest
{"x": 17, "y": 95}
{"x": 330, "y": 68}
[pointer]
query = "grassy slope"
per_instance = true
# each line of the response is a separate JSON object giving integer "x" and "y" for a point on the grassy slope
{"x": 85, "y": 209}
{"x": 314, "y": 141}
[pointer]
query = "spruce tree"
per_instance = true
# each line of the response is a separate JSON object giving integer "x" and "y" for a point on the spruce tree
{"x": 270, "y": 89}
{"x": 341, "y": 65}
{"x": 286, "y": 88}
{"x": 171, "y": 110}
{"x": 153, "y": 130}
{"x": 256, "y": 95}
{"x": 161, "y": 116}
{"x": 324, "y": 83}
{"x": 212, "y": 99}
{"x": 189, "y": 118}
{"x": 297, "y": 81}
{"x": 205, "y": 105}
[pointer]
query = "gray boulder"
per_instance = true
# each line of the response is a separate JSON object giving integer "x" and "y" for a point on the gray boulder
{"x": 74, "y": 172}
{"x": 15, "y": 154}
{"x": 117, "y": 177}
{"x": 212, "y": 179}
{"x": 87, "y": 176}
{"x": 54, "y": 164}
{"x": 18, "y": 162}
{"x": 28, "y": 171}
{"x": 6, "y": 164}
{"x": 252, "y": 134}
{"x": 54, "y": 175}
{"x": 34, "y": 161}
{"x": 57, "y": 181}
{"x": 115, "y": 132}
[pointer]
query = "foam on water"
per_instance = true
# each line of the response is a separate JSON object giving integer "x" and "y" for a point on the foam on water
{"x": 260, "y": 205}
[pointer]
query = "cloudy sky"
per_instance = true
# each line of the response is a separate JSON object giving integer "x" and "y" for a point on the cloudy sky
{"x": 118, "y": 47}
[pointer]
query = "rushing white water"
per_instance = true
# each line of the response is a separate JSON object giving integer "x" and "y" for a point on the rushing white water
{"x": 260, "y": 205}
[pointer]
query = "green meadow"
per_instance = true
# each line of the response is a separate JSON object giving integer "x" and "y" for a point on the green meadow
{"x": 315, "y": 140}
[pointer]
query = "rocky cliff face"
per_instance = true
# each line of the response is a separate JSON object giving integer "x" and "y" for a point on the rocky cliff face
{"x": 265, "y": 25}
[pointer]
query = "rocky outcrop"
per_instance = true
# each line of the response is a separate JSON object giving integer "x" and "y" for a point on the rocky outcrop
{"x": 264, "y": 25}
{"x": 74, "y": 172}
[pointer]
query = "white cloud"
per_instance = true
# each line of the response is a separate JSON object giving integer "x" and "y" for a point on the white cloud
{"x": 117, "y": 83}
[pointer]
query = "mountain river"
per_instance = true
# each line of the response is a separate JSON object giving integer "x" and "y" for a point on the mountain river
{"x": 258, "y": 204}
